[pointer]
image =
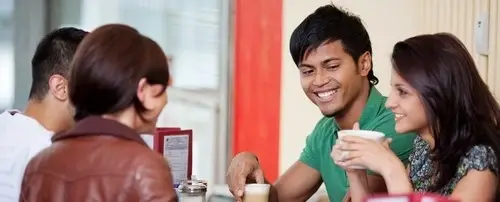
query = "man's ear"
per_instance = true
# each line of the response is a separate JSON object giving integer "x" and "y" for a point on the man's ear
{"x": 365, "y": 64}
{"x": 58, "y": 87}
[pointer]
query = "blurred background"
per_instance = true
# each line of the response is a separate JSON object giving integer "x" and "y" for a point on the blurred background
{"x": 234, "y": 83}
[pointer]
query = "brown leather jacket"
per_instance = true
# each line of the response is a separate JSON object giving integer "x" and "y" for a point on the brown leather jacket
{"x": 98, "y": 160}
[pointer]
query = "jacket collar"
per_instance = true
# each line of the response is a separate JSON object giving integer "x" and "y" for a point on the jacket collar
{"x": 98, "y": 126}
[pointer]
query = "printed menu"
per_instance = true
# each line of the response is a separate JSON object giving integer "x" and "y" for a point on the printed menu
{"x": 175, "y": 144}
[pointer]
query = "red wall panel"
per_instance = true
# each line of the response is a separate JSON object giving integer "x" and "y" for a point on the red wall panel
{"x": 257, "y": 81}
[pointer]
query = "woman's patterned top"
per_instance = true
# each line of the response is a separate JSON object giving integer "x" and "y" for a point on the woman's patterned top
{"x": 480, "y": 158}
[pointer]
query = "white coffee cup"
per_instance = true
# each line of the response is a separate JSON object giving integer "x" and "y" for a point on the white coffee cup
{"x": 366, "y": 134}
{"x": 256, "y": 193}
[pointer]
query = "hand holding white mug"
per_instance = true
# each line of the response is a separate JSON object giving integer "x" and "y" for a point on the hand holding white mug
{"x": 362, "y": 150}
{"x": 339, "y": 155}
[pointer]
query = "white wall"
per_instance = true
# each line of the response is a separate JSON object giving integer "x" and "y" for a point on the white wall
{"x": 387, "y": 21}
{"x": 460, "y": 18}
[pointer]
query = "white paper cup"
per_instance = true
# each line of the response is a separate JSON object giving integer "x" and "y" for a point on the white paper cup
{"x": 256, "y": 193}
{"x": 366, "y": 134}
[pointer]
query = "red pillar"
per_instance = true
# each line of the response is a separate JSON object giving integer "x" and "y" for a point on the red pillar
{"x": 257, "y": 81}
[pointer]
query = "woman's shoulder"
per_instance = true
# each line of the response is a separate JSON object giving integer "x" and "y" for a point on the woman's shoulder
{"x": 479, "y": 157}
{"x": 420, "y": 149}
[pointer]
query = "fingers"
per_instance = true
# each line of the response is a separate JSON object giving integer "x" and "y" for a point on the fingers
{"x": 259, "y": 176}
{"x": 339, "y": 155}
{"x": 386, "y": 143}
{"x": 353, "y": 139}
{"x": 243, "y": 167}
{"x": 335, "y": 154}
{"x": 355, "y": 126}
{"x": 237, "y": 186}
{"x": 347, "y": 147}
{"x": 344, "y": 155}
{"x": 344, "y": 159}
{"x": 237, "y": 176}
{"x": 352, "y": 159}
{"x": 344, "y": 164}
{"x": 240, "y": 187}
{"x": 348, "y": 156}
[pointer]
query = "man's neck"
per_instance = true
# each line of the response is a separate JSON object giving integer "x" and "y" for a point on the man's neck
{"x": 354, "y": 110}
{"x": 41, "y": 112}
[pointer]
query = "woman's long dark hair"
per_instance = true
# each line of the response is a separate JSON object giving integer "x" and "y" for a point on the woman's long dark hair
{"x": 460, "y": 109}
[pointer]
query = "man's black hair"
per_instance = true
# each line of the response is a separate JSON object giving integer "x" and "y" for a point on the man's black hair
{"x": 328, "y": 24}
{"x": 53, "y": 56}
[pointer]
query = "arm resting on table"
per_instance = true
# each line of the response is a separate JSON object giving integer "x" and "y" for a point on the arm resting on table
{"x": 297, "y": 184}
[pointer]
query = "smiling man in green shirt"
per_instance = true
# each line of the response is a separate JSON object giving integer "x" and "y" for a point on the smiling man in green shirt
{"x": 316, "y": 153}
{"x": 333, "y": 53}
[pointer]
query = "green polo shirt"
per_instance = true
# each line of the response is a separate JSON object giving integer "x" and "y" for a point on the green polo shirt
{"x": 376, "y": 117}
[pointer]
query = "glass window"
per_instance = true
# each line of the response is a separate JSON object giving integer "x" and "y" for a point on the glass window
{"x": 187, "y": 30}
{"x": 6, "y": 54}
{"x": 190, "y": 32}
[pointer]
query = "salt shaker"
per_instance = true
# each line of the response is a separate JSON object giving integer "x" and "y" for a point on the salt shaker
{"x": 192, "y": 191}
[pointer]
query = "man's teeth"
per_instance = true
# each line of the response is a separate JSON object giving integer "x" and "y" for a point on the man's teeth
{"x": 326, "y": 94}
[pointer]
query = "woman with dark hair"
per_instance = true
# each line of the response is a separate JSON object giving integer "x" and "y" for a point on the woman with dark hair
{"x": 437, "y": 93}
{"x": 118, "y": 87}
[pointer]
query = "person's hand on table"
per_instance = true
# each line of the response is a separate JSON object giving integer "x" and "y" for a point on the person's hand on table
{"x": 243, "y": 168}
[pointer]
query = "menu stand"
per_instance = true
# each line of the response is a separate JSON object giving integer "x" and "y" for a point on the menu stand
{"x": 176, "y": 145}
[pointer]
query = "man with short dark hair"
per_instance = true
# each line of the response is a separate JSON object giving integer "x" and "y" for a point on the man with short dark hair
{"x": 333, "y": 53}
{"x": 49, "y": 111}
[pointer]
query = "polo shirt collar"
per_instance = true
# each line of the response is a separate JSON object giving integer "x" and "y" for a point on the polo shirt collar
{"x": 374, "y": 104}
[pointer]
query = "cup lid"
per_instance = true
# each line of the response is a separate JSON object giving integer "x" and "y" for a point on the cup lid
{"x": 193, "y": 186}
